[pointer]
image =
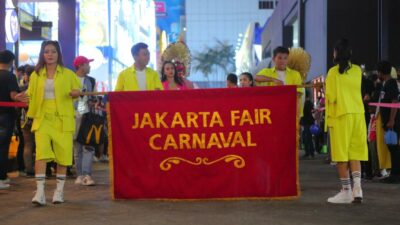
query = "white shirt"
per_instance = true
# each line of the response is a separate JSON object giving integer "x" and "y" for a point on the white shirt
{"x": 141, "y": 77}
{"x": 281, "y": 75}
{"x": 82, "y": 79}
{"x": 49, "y": 89}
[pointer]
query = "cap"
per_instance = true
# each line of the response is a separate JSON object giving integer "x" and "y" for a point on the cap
{"x": 79, "y": 60}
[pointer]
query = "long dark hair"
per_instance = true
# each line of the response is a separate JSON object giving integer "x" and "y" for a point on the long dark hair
{"x": 343, "y": 55}
{"x": 41, "y": 62}
{"x": 250, "y": 77}
{"x": 177, "y": 79}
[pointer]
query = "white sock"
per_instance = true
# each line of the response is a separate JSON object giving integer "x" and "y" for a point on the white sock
{"x": 60, "y": 181}
{"x": 356, "y": 179}
{"x": 346, "y": 184}
{"x": 40, "y": 181}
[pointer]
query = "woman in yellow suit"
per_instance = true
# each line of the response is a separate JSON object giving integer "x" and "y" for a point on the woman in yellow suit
{"x": 345, "y": 119}
{"x": 51, "y": 91}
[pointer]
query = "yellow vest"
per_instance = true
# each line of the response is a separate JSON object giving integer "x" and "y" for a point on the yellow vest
{"x": 127, "y": 80}
{"x": 343, "y": 93}
{"x": 65, "y": 81}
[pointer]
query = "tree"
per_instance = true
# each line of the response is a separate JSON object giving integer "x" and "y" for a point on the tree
{"x": 221, "y": 56}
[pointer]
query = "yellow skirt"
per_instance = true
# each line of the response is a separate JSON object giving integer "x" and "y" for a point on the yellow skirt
{"x": 382, "y": 149}
{"x": 348, "y": 135}
{"x": 53, "y": 143}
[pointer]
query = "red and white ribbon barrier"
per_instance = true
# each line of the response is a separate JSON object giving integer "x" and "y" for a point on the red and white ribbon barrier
{"x": 386, "y": 105}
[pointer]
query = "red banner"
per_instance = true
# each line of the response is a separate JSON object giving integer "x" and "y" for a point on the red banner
{"x": 204, "y": 144}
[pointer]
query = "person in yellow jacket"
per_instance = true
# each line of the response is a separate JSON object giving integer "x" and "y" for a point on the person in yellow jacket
{"x": 51, "y": 91}
{"x": 139, "y": 77}
{"x": 281, "y": 74}
{"x": 345, "y": 118}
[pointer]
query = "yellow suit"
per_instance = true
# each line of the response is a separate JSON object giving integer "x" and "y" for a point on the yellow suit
{"x": 53, "y": 119}
{"x": 344, "y": 113}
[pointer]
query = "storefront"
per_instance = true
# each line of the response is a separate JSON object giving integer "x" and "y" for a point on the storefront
{"x": 104, "y": 30}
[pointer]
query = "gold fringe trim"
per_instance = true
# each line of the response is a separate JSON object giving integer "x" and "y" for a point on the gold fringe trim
{"x": 298, "y": 113}
{"x": 212, "y": 199}
{"x": 110, "y": 151}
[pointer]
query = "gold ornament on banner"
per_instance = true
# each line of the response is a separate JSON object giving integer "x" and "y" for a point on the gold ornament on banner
{"x": 237, "y": 161}
{"x": 300, "y": 61}
{"x": 178, "y": 52}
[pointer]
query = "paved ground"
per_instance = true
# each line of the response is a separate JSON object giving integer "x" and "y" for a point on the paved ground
{"x": 92, "y": 205}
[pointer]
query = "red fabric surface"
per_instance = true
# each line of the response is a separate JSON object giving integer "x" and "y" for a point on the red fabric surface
{"x": 13, "y": 104}
{"x": 267, "y": 170}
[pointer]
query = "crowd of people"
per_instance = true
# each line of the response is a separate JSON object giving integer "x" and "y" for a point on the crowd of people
{"x": 54, "y": 126}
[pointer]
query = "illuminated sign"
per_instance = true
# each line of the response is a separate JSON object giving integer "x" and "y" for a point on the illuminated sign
{"x": 12, "y": 26}
{"x": 161, "y": 9}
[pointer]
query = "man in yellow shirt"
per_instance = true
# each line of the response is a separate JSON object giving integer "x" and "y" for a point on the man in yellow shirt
{"x": 139, "y": 77}
{"x": 280, "y": 74}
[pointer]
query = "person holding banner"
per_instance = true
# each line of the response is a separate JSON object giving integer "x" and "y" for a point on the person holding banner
{"x": 345, "y": 118}
{"x": 51, "y": 91}
{"x": 169, "y": 77}
{"x": 280, "y": 74}
{"x": 139, "y": 77}
{"x": 8, "y": 93}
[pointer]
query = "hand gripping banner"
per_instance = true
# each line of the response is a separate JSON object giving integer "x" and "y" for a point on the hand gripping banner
{"x": 204, "y": 144}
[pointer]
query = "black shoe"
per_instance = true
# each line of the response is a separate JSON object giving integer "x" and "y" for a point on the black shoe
{"x": 391, "y": 180}
{"x": 30, "y": 174}
{"x": 69, "y": 173}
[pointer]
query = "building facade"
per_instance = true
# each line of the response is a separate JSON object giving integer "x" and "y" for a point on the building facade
{"x": 224, "y": 20}
{"x": 370, "y": 25}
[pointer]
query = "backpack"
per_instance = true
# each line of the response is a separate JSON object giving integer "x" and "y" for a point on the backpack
{"x": 91, "y": 131}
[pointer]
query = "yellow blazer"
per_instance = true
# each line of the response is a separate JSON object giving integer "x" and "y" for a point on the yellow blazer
{"x": 65, "y": 81}
{"x": 127, "y": 80}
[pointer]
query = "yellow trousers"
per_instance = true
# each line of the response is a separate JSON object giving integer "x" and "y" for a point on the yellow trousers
{"x": 348, "y": 136}
{"x": 382, "y": 149}
{"x": 52, "y": 142}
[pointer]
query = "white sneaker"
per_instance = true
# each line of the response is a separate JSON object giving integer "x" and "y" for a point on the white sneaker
{"x": 39, "y": 198}
{"x": 79, "y": 180}
{"x": 88, "y": 181}
{"x": 343, "y": 197}
{"x": 4, "y": 184}
{"x": 384, "y": 173}
{"x": 104, "y": 158}
{"x": 95, "y": 159}
{"x": 58, "y": 197}
{"x": 357, "y": 195}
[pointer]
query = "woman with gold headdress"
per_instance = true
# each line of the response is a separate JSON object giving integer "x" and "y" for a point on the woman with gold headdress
{"x": 178, "y": 53}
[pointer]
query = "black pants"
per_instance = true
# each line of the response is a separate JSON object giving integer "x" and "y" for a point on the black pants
{"x": 395, "y": 158}
{"x": 7, "y": 122}
{"x": 20, "y": 153}
{"x": 308, "y": 142}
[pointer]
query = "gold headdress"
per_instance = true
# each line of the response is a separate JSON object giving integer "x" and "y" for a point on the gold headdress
{"x": 178, "y": 53}
{"x": 300, "y": 61}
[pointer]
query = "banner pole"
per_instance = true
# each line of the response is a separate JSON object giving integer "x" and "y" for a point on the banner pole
{"x": 317, "y": 85}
